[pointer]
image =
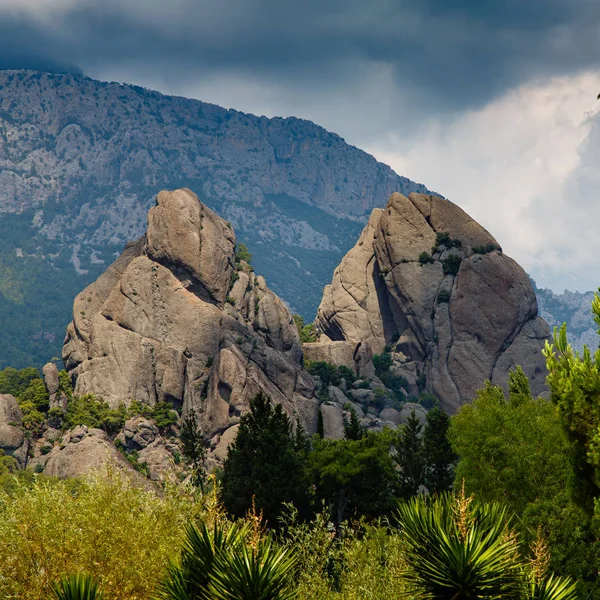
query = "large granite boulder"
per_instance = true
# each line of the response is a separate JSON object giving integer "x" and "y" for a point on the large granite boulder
{"x": 11, "y": 419}
{"x": 428, "y": 281}
{"x": 176, "y": 319}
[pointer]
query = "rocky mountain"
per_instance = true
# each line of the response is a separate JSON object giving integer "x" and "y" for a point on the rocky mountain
{"x": 429, "y": 283}
{"x": 80, "y": 163}
{"x": 425, "y": 307}
{"x": 574, "y": 309}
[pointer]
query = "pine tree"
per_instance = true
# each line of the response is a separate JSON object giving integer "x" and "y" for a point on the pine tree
{"x": 353, "y": 430}
{"x": 265, "y": 462}
{"x": 193, "y": 448}
{"x": 410, "y": 457}
{"x": 438, "y": 454}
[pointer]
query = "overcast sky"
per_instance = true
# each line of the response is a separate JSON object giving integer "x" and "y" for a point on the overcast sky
{"x": 490, "y": 102}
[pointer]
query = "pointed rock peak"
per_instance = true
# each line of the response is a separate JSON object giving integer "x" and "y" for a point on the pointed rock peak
{"x": 429, "y": 282}
{"x": 185, "y": 234}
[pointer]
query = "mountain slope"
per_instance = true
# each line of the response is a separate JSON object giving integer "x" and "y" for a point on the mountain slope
{"x": 574, "y": 309}
{"x": 80, "y": 164}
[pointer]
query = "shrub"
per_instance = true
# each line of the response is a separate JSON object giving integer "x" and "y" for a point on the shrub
{"x": 443, "y": 296}
{"x": 164, "y": 415}
{"x": 347, "y": 373}
{"x": 382, "y": 362}
{"x": 307, "y": 332}
{"x": 230, "y": 300}
{"x": 425, "y": 258}
{"x": 242, "y": 253}
{"x": 92, "y": 411}
{"x": 326, "y": 372}
{"x": 451, "y": 264}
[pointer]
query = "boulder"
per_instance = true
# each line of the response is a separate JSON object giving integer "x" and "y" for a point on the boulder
{"x": 11, "y": 419}
{"x": 137, "y": 433}
{"x": 456, "y": 311}
{"x": 173, "y": 320}
{"x": 333, "y": 421}
{"x": 392, "y": 415}
{"x": 85, "y": 451}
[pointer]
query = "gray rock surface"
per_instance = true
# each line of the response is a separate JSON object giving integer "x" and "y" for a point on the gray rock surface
{"x": 458, "y": 326}
{"x": 168, "y": 321}
{"x": 11, "y": 418}
{"x": 333, "y": 421}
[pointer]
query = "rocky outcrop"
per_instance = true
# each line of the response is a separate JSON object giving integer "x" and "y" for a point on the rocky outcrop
{"x": 429, "y": 282}
{"x": 176, "y": 319}
{"x": 12, "y": 439}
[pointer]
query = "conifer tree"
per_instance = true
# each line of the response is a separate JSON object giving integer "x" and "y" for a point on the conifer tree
{"x": 438, "y": 454}
{"x": 264, "y": 463}
{"x": 353, "y": 430}
{"x": 410, "y": 457}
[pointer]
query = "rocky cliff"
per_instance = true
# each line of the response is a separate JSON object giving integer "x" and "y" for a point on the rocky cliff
{"x": 80, "y": 163}
{"x": 176, "y": 318}
{"x": 430, "y": 283}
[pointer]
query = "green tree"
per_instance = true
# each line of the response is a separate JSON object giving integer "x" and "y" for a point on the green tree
{"x": 306, "y": 332}
{"x": 574, "y": 382}
{"x": 437, "y": 452}
{"x": 263, "y": 463}
{"x": 193, "y": 448}
{"x": 242, "y": 253}
{"x": 354, "y": 477}
{"x": 410, "y": 457}
{"x": 353, "y": 430}
{"x": 513, "y": 450}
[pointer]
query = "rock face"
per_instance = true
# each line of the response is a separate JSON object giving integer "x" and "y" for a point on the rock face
{"x": 176, "y": 319}
{"x": 428, "y": 281}
{"x": 11, "y": 418}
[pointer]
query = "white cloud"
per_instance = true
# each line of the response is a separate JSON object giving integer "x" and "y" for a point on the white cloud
{"x": 527, "y": 168}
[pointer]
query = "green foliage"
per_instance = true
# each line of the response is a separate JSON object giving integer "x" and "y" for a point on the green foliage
{"x": 92, "y": 411}
{"x": 457, "y": 549}
{"x": 77, "y": 587}
{"x": 514, "y": 451}
{"x": 242, "y": 253}
{"x": 347, "y": 374}
{"x": 574, "y": 382}
{"x": 263, "y": 463}
{"x": 451, "y": 264}
{"x": 353, "y": 430}
{"x": 410, "y": 457}
{"x": 443, "y": 238}
{"x": 489, "y": 247}
{"x": 443, "y": 296}
{"x": 425, "y": 258}
{"x": 163, "y": 414}
{"x": 326, "y": 372}
{"x": 307, "y": 332}
{"x": 14, "y": 382}
{"x": 230, "y": 300}
{"x": 219, "y": 564}
{"x": 193, "y": 448}
{"x": 36, "y": 394}
{"x": 354, "y": 477}
{"x": 437, "y": 452}
{"x": 382, "y": 362}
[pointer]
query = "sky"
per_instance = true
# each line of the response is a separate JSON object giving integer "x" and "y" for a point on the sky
{"x": 492, "y": 103}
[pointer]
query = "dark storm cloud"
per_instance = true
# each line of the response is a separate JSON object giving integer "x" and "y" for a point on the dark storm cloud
{"x": 450, "y": 53}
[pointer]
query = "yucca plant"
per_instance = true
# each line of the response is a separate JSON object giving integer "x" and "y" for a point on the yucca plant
{"x": 259, "y": 573}
{"x": 77, "y": 587}
{"x": 221, "y": 565}
{"x": 203, "y": 551}
{"x": 456, "y": 550}
{"x": 553, "y": 588}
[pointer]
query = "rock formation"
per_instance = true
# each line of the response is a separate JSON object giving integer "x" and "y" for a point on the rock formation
{"x": 175, "y": 318}
{"x": 430, "y": 283}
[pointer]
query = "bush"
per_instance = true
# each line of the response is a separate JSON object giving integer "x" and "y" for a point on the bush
{"x": 443, "y": 296}
{"x": 326, "y": 372}
{"x": 382, "y": 362}
{"x": 307, "y": 332}
{"x": 451, "y": 265}
{"x": 425, "y": 258}
{"x": 94, "y": 412}
{"x": 164, "y": 415}
{"x": 242, "y": 253}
